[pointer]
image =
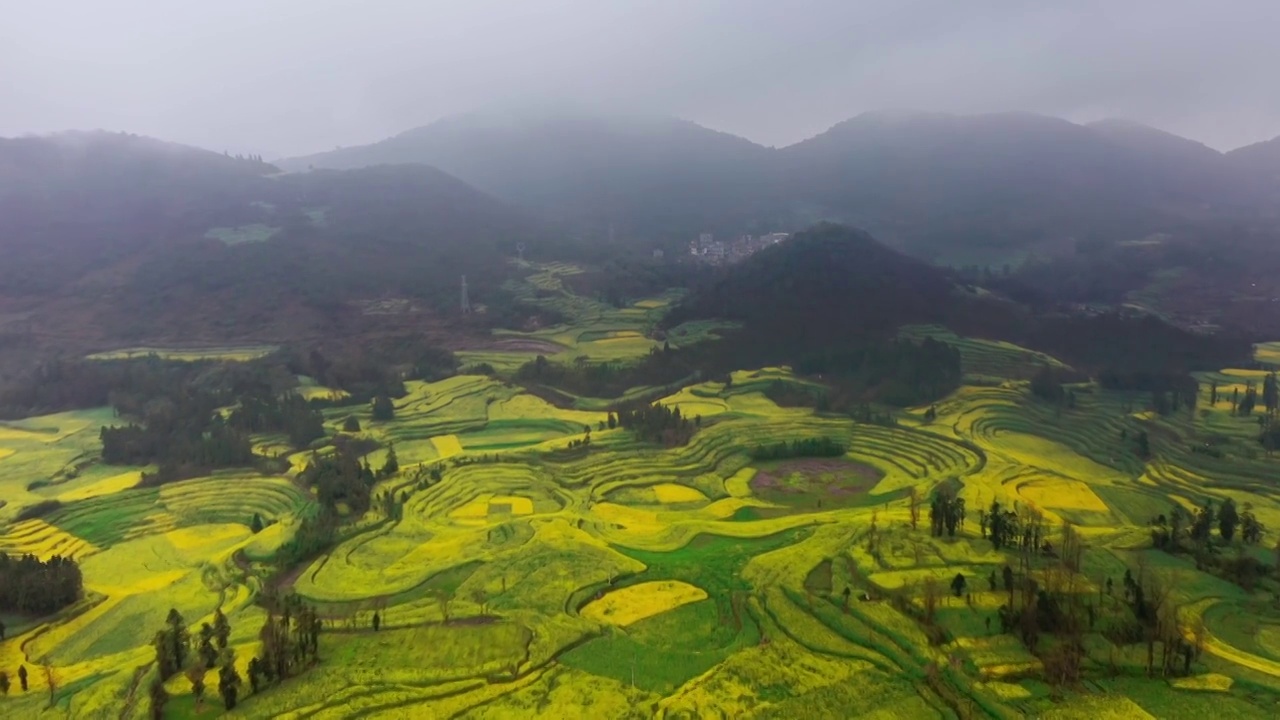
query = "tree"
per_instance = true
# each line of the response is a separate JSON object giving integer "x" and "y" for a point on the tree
{"x": 1144, "y": 445}
{"x": 1228, "y": 519}
{"x": 1203, "y": 524}
{"x": 958, "y": 584}
{"x": 177, "y": 636}
{"x": 159, "y": 698}
{"x": 443, "y": 597}
{"x": 229, "y": 684}
{"x": 392, "y": 464}
{"x": 221, "y": 629}
{"x": 195, "y": 674}
{"x": 377, "y": 621}
{"x": 4, "y": 683}
{"x": 50, "y": 681}
{"x": 255, "y": 673}
{"x": 913, "y": 502}
{"x": 930, "y": 599}
{"x": 351, "y": 424}
{"x": 383, "y": 410}
{"x": 22, "y": 677}
{"x": 255, "y": 525}
{"x": 1250, "y": 528}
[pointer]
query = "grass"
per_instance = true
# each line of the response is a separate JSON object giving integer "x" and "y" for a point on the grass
{"x": 189, "y": 354}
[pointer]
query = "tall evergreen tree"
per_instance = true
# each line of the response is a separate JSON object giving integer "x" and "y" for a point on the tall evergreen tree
{"x": 1228, "y": 519}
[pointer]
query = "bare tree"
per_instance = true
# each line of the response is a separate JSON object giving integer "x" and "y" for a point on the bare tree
{"x": 930, "y": 599}
{"x": 51, "y": 680}
{"x": 913, "y": 502}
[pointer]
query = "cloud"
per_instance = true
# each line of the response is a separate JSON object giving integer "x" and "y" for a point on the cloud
{"x": 295, "y": 76}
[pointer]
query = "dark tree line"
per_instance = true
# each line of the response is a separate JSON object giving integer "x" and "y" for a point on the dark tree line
{"x": 31, "y": 585}
{"x": 376, "y": 367}
{"x": 660, "y": 367}
{"x": 340, "y": 477}
{"x": 1180, "y": 531}
{"x": 658, "y": 423}
{"x": 290, "y": 642}
{"x": 809, "y": 447}
{"x": 946, "y": 513}
{"x": 896, "y": 372}
{"x": 288, "y": 413}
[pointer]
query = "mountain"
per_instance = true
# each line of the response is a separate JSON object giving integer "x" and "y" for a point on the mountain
{"x": 957, "y": 187}
{"x": 833, "y": 289}
{"x": 116, "y": 236}
{"x": 1261, "y": 159}
{"x": 645, "y": 176}
{"x": 825, "y": 285}
{"x": 952, "y": 188}
{"x": 74, "y": 201}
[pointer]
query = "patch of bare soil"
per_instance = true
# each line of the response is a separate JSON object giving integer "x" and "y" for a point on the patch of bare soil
{"x": 831, "y": 477}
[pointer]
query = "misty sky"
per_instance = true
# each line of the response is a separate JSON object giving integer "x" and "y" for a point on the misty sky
{"x": 285, "y": 77}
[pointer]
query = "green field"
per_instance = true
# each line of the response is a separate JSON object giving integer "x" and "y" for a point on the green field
{"x": 189, "y": 354}
{"x": 632, "y": 580}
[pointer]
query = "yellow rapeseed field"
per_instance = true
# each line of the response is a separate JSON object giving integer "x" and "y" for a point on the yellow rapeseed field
{"x": 1063, "y": 494}
{"x": 447, "y": 445}
{"x": 637, "y": 602}
{"x": 516, "y": 505}
{"x": 673, "y": 493}
{"x": 39, "y": 538}
{"x": 105, "y": 486}
{"x": 1209, "y": 681}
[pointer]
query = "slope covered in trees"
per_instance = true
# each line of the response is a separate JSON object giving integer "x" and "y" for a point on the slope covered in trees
{"x": 645, "y": 176}
{"x": 137, "y": 238}
{"x": 833, "y": 292}
{"x": 942, "y": 186}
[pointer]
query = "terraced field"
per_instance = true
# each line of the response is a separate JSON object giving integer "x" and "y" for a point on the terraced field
{"x": 624, "y": 579}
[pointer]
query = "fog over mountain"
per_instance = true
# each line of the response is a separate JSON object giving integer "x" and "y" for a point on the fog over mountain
{"x": 296, "y": 77}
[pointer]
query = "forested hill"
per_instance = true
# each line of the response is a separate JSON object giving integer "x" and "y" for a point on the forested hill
{"x": 825, "y": 285}
{"x": 952, "y": 188}
{"x": 74, "y": 201}
{"x": 833, "y": 289}
{"x": 651, "y": 177}
{"x": 961, "y": 188}
{"x": 115, "y": 236}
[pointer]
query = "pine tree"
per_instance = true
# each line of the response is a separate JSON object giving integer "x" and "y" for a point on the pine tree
{"x": 1228, "y": 519}
{"x": 392, "y": 465}
{"x": 383, "y": 409}
{"x": 195, "y": 674}
{"x": 221, "y": 629}
{"x": 229, "y": 684}
{"x": 159, "y": 698}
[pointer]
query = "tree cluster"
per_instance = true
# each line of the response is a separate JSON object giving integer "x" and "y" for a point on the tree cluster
{"x": 177, "y": 650}
{"x": 946, "y": 513}
{"x": 661, "y": 367}
{"x": 659, "y": 424}
{"x": 808, "y": 447}
{"x": 290, "y": 642}
{"x": 342, "y": 477}
{"x": 31, "y": 585}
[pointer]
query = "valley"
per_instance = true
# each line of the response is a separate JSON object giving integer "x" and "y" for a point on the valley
{"x": 531, "y": 550}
